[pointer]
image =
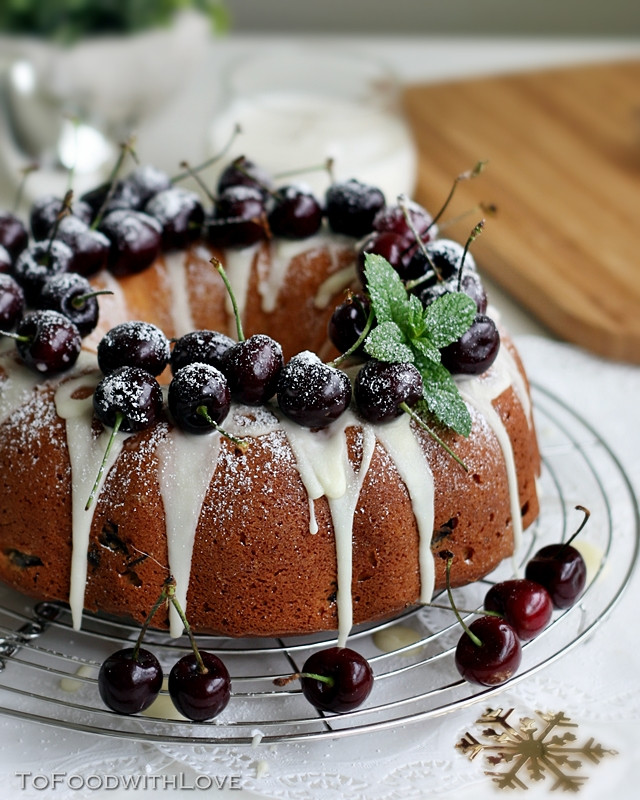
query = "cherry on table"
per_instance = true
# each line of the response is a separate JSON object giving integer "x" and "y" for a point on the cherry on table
{"x": 48, "y": 342}
{"x": 381, "y": 388}
{"x": 495, "y": 658}
{"x": 252, "y": 368}
{"x": 205, "y": 346}
{"x": 351, "y": 207}
{"x": 336, "y": 679}
{"x": 129, "y": 682}
{"x": 136, "y": 344}
{"x": 524, "y": 604}
{"x": 312, "y": 393}
{"x": 11, "y": 302}
{"x": 199, "y": 695}
{"x": 199, "y": 398}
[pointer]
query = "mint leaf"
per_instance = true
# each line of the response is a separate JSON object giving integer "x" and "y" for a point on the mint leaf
{"x": 448, "y": 317}
{"x": 388, "y": 296}
{"x": 442, "y": 398}
{"x": 386, "y": 342}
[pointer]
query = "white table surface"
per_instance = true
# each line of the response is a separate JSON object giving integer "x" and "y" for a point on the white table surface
{"x": 183, "y": 126}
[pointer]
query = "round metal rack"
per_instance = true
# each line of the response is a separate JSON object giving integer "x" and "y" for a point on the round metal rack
{"x": 48, "y": 671}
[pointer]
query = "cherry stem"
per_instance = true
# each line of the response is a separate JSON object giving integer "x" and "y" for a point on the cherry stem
{"x": 171, "y": 593}
{"x": 241, "y": 444}
{"x": 419, "y": 421}
{"x": 465, "y": 627}
{"x": 81, "y": 299}
{"x": 327, "y": 165}
{"x": 114, "y": 431}
{"x": 488, "y": 209}
{"x": 17, "y": 336}
{"x": 367, "y": 328}
{"x": 403, "y": 203}
{"x": 65, "y": 210}
{"x": 468, "y": 610}
{"x": 191, "y": 171}
{"x": 297, "y": 675}
{"x": 464, "y": 176}
{"x": 194, "y": 174}
{"x": 125, "y": 147}
{"x": 161, "y": 599}
{"x": 477, "y": 230}
{"x": 216, "y": 263}
{"x": 587, "y": 514}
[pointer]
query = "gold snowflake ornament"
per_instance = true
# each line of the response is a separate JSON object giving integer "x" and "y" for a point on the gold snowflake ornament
{"x": 533, "y": 750}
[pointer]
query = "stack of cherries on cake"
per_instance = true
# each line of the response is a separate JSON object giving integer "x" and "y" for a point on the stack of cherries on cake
{"x": 419, "y": 313}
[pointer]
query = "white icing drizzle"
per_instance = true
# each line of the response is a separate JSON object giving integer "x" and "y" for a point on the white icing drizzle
{"x": 480, "y": 393}
{"x": 399, "y": 440}
{"x": 180, "y": 308}
{"x": 237, "y": 265}
{"x": 85, "y": 455}
{"x": 187, "y": 463}
{"x": 333, "y": 285}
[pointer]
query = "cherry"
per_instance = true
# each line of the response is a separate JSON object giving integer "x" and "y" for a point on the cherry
{"x": 129, "y": 193}
{"x": 181, "y": 215}
{"x": 205, "y": 346}
{"x": 252, "y": 368}
{"x": 135, "y": 240}
{"x": 6, "y": 262}
{"x": 392, "y": 219}
{"x": 381, "y": 388}
{"x": 11, "y": 302}
{"x": 128, "y": 399}
{"x": 90, "y": 247}
{"x": 312, "y": 393}
{"x": 46, "y": 210}
{"x": 337, "y": 679}
{"x": 472, "y": 285}
{"x": 243, "y": 172}
{"x": 199, "y": 398}
{"x": 72, "y": 295}
{"x": 524, "y": 604}
{"x": 136, "y": 344}
{"x": 493, "y": 657}
{"x": 296, "y": 213}
{"x": 348, "y": 322}
{"x": 146, "y": 181}
{"x": 397, "y": 249}
{"x": 14, "y": 237}
{"x": 130, "y": 681}
{"x": 239, "y": 218}
{"x": 38, "y": 262}
{"x": 199, "y": 693}
{"x": 47, "y": 341}
{"x": 476, "y": 350}
{"x": 351, "y": 206}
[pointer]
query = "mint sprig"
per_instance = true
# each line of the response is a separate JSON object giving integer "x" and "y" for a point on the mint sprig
{"x": 407, "y": 332}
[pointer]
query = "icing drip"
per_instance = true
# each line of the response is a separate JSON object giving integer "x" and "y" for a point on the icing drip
{"x": 325, "y": 469}
{"x": 237, "y": 265}
{"x": 85, "y": 455}
{"x": 333, "y": 285}
{"x": 480, "y": 393}
{"x": 176, "y": 271}
{"x": 187, "y": 464}
{"x": 400, "y": 442}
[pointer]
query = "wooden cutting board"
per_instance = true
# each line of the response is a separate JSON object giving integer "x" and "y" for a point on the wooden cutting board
{"x": 563, "y": 152}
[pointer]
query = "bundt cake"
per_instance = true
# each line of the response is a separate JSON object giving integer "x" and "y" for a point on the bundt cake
{"x": 301, "y": 509}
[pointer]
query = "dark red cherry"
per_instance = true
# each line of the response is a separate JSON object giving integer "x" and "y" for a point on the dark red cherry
{"x": 351, "y": 206}
{"x": 130, "y": 193}
{"x": 127, "y": 683}
{"x": 392, "y": 219}
{"x": 239, "y": 218}
{"x": 199, "y": 398}
{"x": 49, "y": 343}
{"x": 135, "y": 344}
{"x": 381, "y": 387}
{"x": 396, "y": 249}
{"x": 39, "y": 262}
{"x": 524, "y": 604}
{"x": 472, "y": 286}
{"x": 296, "y": 213}
{"x": 475, "y": 351}
{"x": 206, "y": 347}
{"x": 181, "y": 215}
{"x": 6, "y": 262}
{"x": 45, "y": 211}
{"x": 14, "y": 236}
{"x": 198, "y": 695}
{"x": 348, "y": 323}
{"x": 90, "y": 247}
{"x": 135, "y": 240}
{"x": 243, "y": 172}
{"x": 11, "y": 302}
{"x": 312, "y": 393}
{"x": 561, "y": 569}
{"x": 72, "y": 295}
{"x": 493, "y": 661}
{"x": 350, "y": 679}
{"x": 253, "y": 368}
{"x": 129, "y": 393}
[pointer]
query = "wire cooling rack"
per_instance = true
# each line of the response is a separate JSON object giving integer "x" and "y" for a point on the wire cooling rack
{"x": 48, "y": 671}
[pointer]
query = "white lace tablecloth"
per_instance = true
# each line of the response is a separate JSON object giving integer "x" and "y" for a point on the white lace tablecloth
{"x": 595, "y": 685}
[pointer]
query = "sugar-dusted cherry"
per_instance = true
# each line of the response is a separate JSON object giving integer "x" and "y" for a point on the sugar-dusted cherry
{"x": 381, "y": 388}
{"x": 72, "y": 295}
{"x": 90, "y": 248}
{"x": 524, "y": 604}
{"x": 199, "y": 397}
{"x": 47, "y": 341}
{"x": 6, "y": 262}
{"x": 312, "y": 393}
{"x": 11, "y": 302}
{"x": 239, "y": 218}
{"x": 351, "y": 207}
{"x": 181, "y": 215}
{"x": 38, "y": 262}
{"x": 135, "y": 240}
{"x": 14, "y": 236}
{"x": 204, "y": 346}
{"x": 136, "y": 344}
{"x": 46, "y": 210}
{"x": 244, "y": 172}
{"x": 252, "y": 368}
